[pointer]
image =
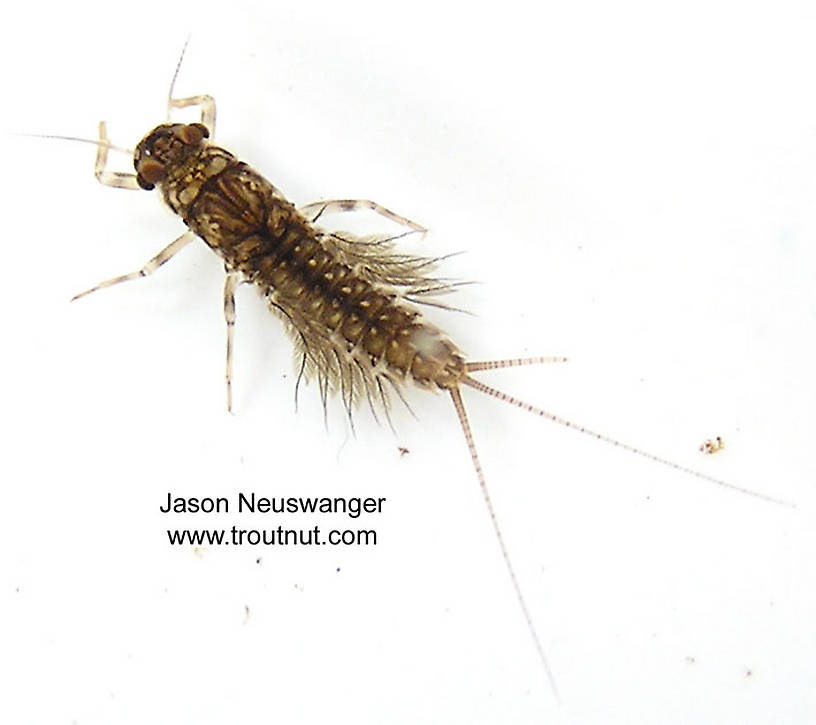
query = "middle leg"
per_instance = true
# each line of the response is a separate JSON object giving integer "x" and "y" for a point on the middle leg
{"x": 151, "y": 266}
{"x": 318, "y": 208}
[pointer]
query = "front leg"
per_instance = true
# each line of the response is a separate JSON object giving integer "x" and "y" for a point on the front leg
{"x": 207, "y": 104}
{"x": 118, "y": 179}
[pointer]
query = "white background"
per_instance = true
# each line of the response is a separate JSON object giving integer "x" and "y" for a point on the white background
{"x": 635, "y": 187}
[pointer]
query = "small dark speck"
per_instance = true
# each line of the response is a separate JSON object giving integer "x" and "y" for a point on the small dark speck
{"x": 403, "y": 451}
{"x": 258, "y": 560}
{"x": 338, "y": 568}
{"x": 748, "y": 673}
{"x": 17, "y": 589}
{"x": 690, "y": 660}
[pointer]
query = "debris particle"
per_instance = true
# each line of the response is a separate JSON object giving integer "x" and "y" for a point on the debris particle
{"x": 712, "y": 446}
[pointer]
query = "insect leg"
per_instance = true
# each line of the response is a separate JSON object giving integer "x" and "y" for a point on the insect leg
{"x": 207, "y": 104}
{"x": 230, "y": 283}
{"x": 169, "y": 251}
{"x": 318, "y": 208}
{"x": 118, "y": 179}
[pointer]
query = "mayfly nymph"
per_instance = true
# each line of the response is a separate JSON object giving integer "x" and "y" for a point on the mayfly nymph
{"x": 349, "y": 302}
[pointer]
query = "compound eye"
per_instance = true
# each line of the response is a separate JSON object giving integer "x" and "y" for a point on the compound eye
{"x": 193, "y": 133}
{"x": 143, "y": 184}
{"x": 150, "y": 173}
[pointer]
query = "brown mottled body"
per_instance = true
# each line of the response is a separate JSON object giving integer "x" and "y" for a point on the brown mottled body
{"x": 346, "y": 300}
{"x": 352, "y": 328}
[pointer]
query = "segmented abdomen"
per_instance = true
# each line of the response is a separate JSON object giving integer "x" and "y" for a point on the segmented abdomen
{"x": 337, "y": 293}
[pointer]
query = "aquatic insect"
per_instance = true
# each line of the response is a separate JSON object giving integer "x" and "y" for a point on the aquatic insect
{"x": 350, "y": 303}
